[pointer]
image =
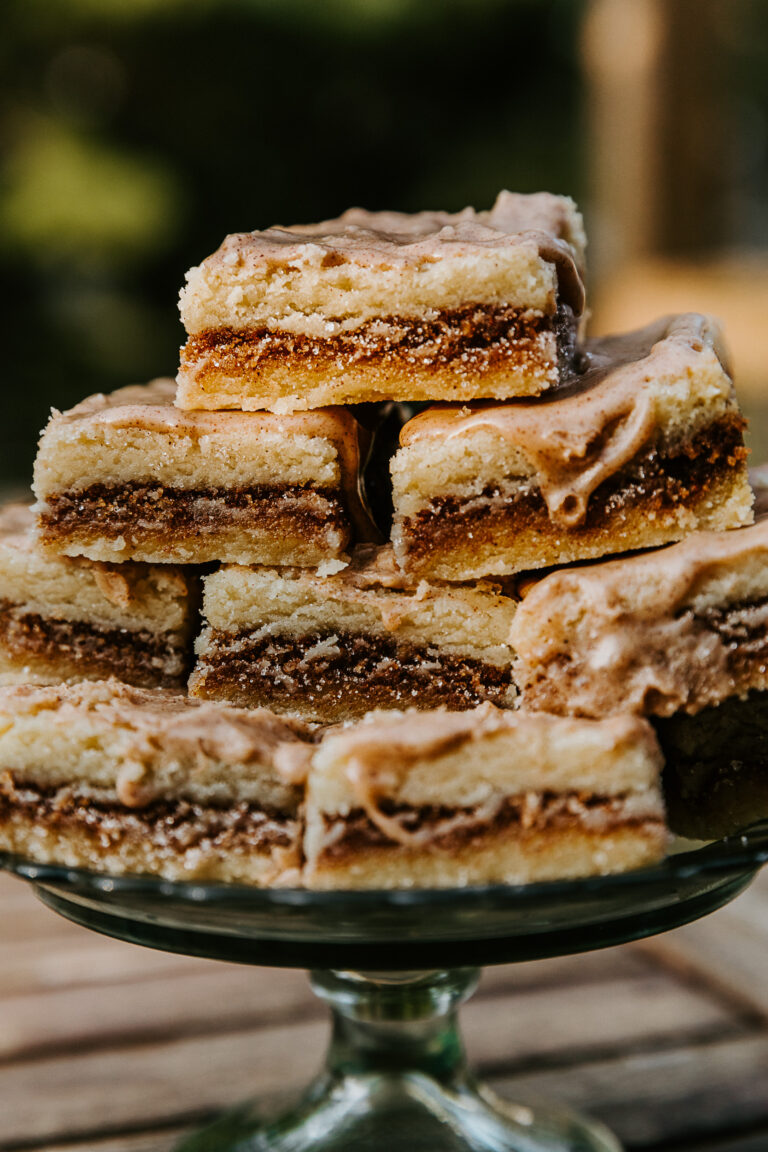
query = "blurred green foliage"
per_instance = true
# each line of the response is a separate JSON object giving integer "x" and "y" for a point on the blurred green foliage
{"x": 109, "y": 207}
{"x": 137, "y": 133}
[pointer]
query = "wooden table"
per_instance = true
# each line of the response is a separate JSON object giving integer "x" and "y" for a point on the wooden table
{"x": 107, "y": 1047}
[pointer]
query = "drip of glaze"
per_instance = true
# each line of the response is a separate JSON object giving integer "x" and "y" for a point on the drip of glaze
{"x": 593, "y": 426}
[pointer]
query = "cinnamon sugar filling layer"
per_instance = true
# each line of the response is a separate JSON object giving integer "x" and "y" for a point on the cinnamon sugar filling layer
{"x": 453, "y": 828}
{"x": 123, "y": 509}
{"x": 168, "y": 824}
{"x": 658, "y": 482}
{"x": 134, "y": 656}
{"x": 361, "y": 671}
{"x": 478, "y": 335}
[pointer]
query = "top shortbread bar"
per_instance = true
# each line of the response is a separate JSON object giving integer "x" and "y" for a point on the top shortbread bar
{"x": 384, "y": 305}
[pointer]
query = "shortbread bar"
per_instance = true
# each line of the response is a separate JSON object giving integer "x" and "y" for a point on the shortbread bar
{"x": 675, "y": 630}
{"x": 63, "y": 619}
{"x": 131, "y": 477}
{"x": 642, "y": 449}
{"x": 457, "y": 798}
{"x": 333, "y": 647}
{"x": 98, "y": 775}
{"x": 387, "y": 306}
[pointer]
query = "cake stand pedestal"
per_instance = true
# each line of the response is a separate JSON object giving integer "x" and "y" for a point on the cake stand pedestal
{"x": 394, "y": 967}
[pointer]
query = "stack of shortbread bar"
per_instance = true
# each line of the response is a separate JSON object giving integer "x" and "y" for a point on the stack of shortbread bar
{"x": 219, "y": 663}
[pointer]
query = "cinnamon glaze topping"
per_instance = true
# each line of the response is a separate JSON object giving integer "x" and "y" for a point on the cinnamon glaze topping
{"x": 594, "y": 426}
{"x": 657, "y": 482}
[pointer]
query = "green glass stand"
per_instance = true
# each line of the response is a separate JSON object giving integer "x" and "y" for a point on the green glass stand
{"x": 394, "y": 967}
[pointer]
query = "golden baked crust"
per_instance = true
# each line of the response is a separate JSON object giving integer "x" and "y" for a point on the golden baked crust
{"x": 498, "y": 858}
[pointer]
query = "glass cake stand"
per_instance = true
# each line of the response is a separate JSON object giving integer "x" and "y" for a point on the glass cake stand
{"x": 394, "y": 966}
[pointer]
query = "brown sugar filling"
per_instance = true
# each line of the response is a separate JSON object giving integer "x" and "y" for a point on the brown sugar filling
{"x": 177, "y": 825}
{"x": 358, "y": 671}
{"x": 476, "y": 334}
{"x": 128, "y": 509}
{"x": 137, "y": 657}
{"x": 454, "y": 828}
{"x": 656, "y": 481}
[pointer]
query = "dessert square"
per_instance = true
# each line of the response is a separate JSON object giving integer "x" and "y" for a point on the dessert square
{"x": 99, "y": 775}
{"x": 63, "y": 619}
{"x": 333, "y": 647}
{"x": 387, "y": 306}
{"x": 679, "y": 629}
{"x": 131, "y": 477}
{"x": 455, "y": 798}
{"x": 643, "y": 448}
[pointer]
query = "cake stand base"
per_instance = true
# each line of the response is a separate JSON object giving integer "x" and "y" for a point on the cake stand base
{"x": 396, "y": 1078}
{"x": 394, "y": 966}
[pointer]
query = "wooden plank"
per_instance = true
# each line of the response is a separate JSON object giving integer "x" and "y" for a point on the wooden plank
{"x": 15, "y": 893}
{"x": 85, "y": 958}
{"x": 556, "y": 1023}
{"x": 685, "y": 1094}
{"x": 162, "y": 1140}
{"x": 590, "y": 967}
{"x": 109, "y": 1090}
{"x": 96, "y": 991}
{"x": 26, "y": 967}
{"x": 726, "y": 951}
{"x": 727, "y": 955}
{"x": 24, "y": 917}
{"x": 151, "y": 1085}
{"x": 13, "y": 890}
{"x": 216, "y": 999}
{"x": 33, "y": 922}
{"x": 647, "y": 1101}
{"x": 231, "y": 998}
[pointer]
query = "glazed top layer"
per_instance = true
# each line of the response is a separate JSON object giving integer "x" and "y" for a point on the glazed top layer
{"x": 467, "y": 759}
{"x": 151, "y": 408}
{"x": 669, "y": 376}
{"x": 324, "y": 278}
{"x": 632, "y": 634}
{"x": 137, "y": 435}
{"x": 146, "y": 744}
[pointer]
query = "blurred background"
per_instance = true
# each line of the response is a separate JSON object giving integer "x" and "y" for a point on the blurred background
{"x": 136, "y": 133}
